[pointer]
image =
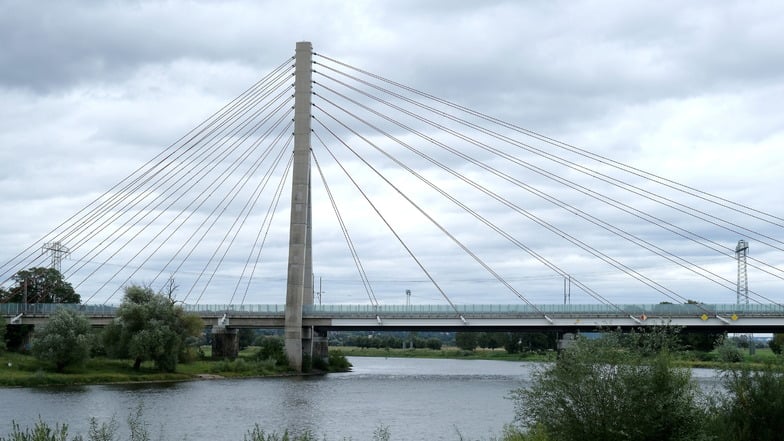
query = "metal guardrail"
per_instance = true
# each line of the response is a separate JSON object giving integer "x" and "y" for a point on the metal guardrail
{"x": 331, "y": 311}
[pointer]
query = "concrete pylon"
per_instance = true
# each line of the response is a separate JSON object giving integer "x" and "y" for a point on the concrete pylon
{"x": 300, "y": 266}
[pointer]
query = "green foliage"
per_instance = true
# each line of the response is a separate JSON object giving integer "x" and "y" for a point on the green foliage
{"x": 338, "y": 362}
{"x": 64, "y": 340}
{"x": 609, "y": 389}
{"x": 466, "y": 341}
{"x": 272, "y": 348}
{"x": 150, "y": 327}
{"x": 729, "y": 352}
{"x": 3, "y": 326}
{"x": 516, "y": 342}
{"x": 43, "y": 285}
{"x": 776, "y": 344}
{"x": 40, "y": 432}
{"x": 258, "y": 434}
{"x": 753, "y": 408}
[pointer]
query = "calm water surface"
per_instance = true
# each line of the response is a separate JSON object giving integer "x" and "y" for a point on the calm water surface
{"x": 418, "y": 399}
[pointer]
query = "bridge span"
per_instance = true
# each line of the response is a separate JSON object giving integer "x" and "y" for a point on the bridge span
{"x": 583, "y": 317}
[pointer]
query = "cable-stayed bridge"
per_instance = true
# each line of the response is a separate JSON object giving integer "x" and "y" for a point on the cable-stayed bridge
{"x": 411, "y": 207}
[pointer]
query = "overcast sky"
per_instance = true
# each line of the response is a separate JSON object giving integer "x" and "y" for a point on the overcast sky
{"x": 691, "y": 91}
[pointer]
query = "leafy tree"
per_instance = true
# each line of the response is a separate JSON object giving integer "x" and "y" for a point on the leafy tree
{"x": 149, "y": 326}
{"x": 602, "y": 390}
{"x": 466, "y": 341}
{"x": 43, "y": 285}
{"x": 515, "y": 342}
{"x": 64, "y": 340}
{"x": 433, "y": 343}
{"x": 700, "y": 341}
{"x": 3, "y": 325}
{"x": 776, "y": 344}
{"x": 491, "y": 340}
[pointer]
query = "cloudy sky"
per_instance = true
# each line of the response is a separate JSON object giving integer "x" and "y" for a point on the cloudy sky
{"x": 690, "y": 91}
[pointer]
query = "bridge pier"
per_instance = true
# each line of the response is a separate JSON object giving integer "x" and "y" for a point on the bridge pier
{"x": 225, "y": 342}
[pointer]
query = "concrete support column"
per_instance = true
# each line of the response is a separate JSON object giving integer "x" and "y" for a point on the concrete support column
{"x": 299, "y": 264}
{"x": 319, "y": 345}
{"x": 225, "y": 343}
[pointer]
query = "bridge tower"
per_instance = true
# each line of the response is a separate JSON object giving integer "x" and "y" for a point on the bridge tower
{"x": 299, "y": 286}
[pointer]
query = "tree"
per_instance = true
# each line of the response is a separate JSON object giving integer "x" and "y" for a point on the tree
{"x": 149, "y": 326}
{"x": 64, "y": 340}
{"x": 491, "y": 340}
{"x": 466, "y": 341}
{"x": 43, "y": 285}
{"x": 776, "y": 343}
{"x": 602, "y": 390}
{"x": 3, "y": 325}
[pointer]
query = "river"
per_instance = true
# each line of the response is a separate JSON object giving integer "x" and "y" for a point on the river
{"x": 417, "y": 399}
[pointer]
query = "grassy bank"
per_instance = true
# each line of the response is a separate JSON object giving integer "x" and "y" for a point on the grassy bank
{"x": 447, "y": 352}
{"x": 20, "y": 370}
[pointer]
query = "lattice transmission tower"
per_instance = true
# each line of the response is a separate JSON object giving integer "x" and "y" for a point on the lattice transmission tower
{"x": 57, "y": 250}
{"x": 741, "y": 251}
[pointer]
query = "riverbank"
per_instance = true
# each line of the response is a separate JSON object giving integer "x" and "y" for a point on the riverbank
{"x": 445, "y": 353}
{"x": 20, "y": 370}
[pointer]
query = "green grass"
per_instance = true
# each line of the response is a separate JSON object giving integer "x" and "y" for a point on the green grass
{"x": 448, "y": 352}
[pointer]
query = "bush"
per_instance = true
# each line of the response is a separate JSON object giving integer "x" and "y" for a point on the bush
{"x": 338, "y": 362}
{"x": 753, "y": 408}
{"x": 272, "y": 348}
{"x": 601, "y": 390}
{"x": 729, "y": 352}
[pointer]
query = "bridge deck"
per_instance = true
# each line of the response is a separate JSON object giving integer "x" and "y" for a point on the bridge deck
{"x": 729, "y": 317}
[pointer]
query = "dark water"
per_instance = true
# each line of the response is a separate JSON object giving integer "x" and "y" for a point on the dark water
{"x": 416, "y": 399}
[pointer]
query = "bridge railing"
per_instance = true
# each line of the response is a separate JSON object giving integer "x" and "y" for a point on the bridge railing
{"x": 655, "y": 310}
{"x": 49, "y": 308}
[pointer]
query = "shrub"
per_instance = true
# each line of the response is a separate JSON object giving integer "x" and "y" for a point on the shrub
{"x": 601, "y": 390}
{"x": 753, "y": 408}
{"x": 729, "y": 352}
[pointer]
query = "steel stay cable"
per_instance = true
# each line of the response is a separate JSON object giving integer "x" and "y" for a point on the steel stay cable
{"x": 452, "y": 237}
{"x": 497, "y": 229}
{"x": 267, "y": 221}
{"x": 195, "y": 150}
{"x": 199, "y": 176}
{"x": 206, "y": 194}
{"x": 400, "y": 240}
{"x": 597, "y": 253}
{"x": 686, "y": 209}
{"x": 161, "y": 243}
{"x": 543, "y": 172}
{"x": 246, "y": 209}
{"x": 349, "y": 243}
{"x": 74, "y": 219}
{"x": 201, "y": 155}
{"x": 226, "y": 201}
{"x": 574, "y": 149}
{"x": 619, "y": 232}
